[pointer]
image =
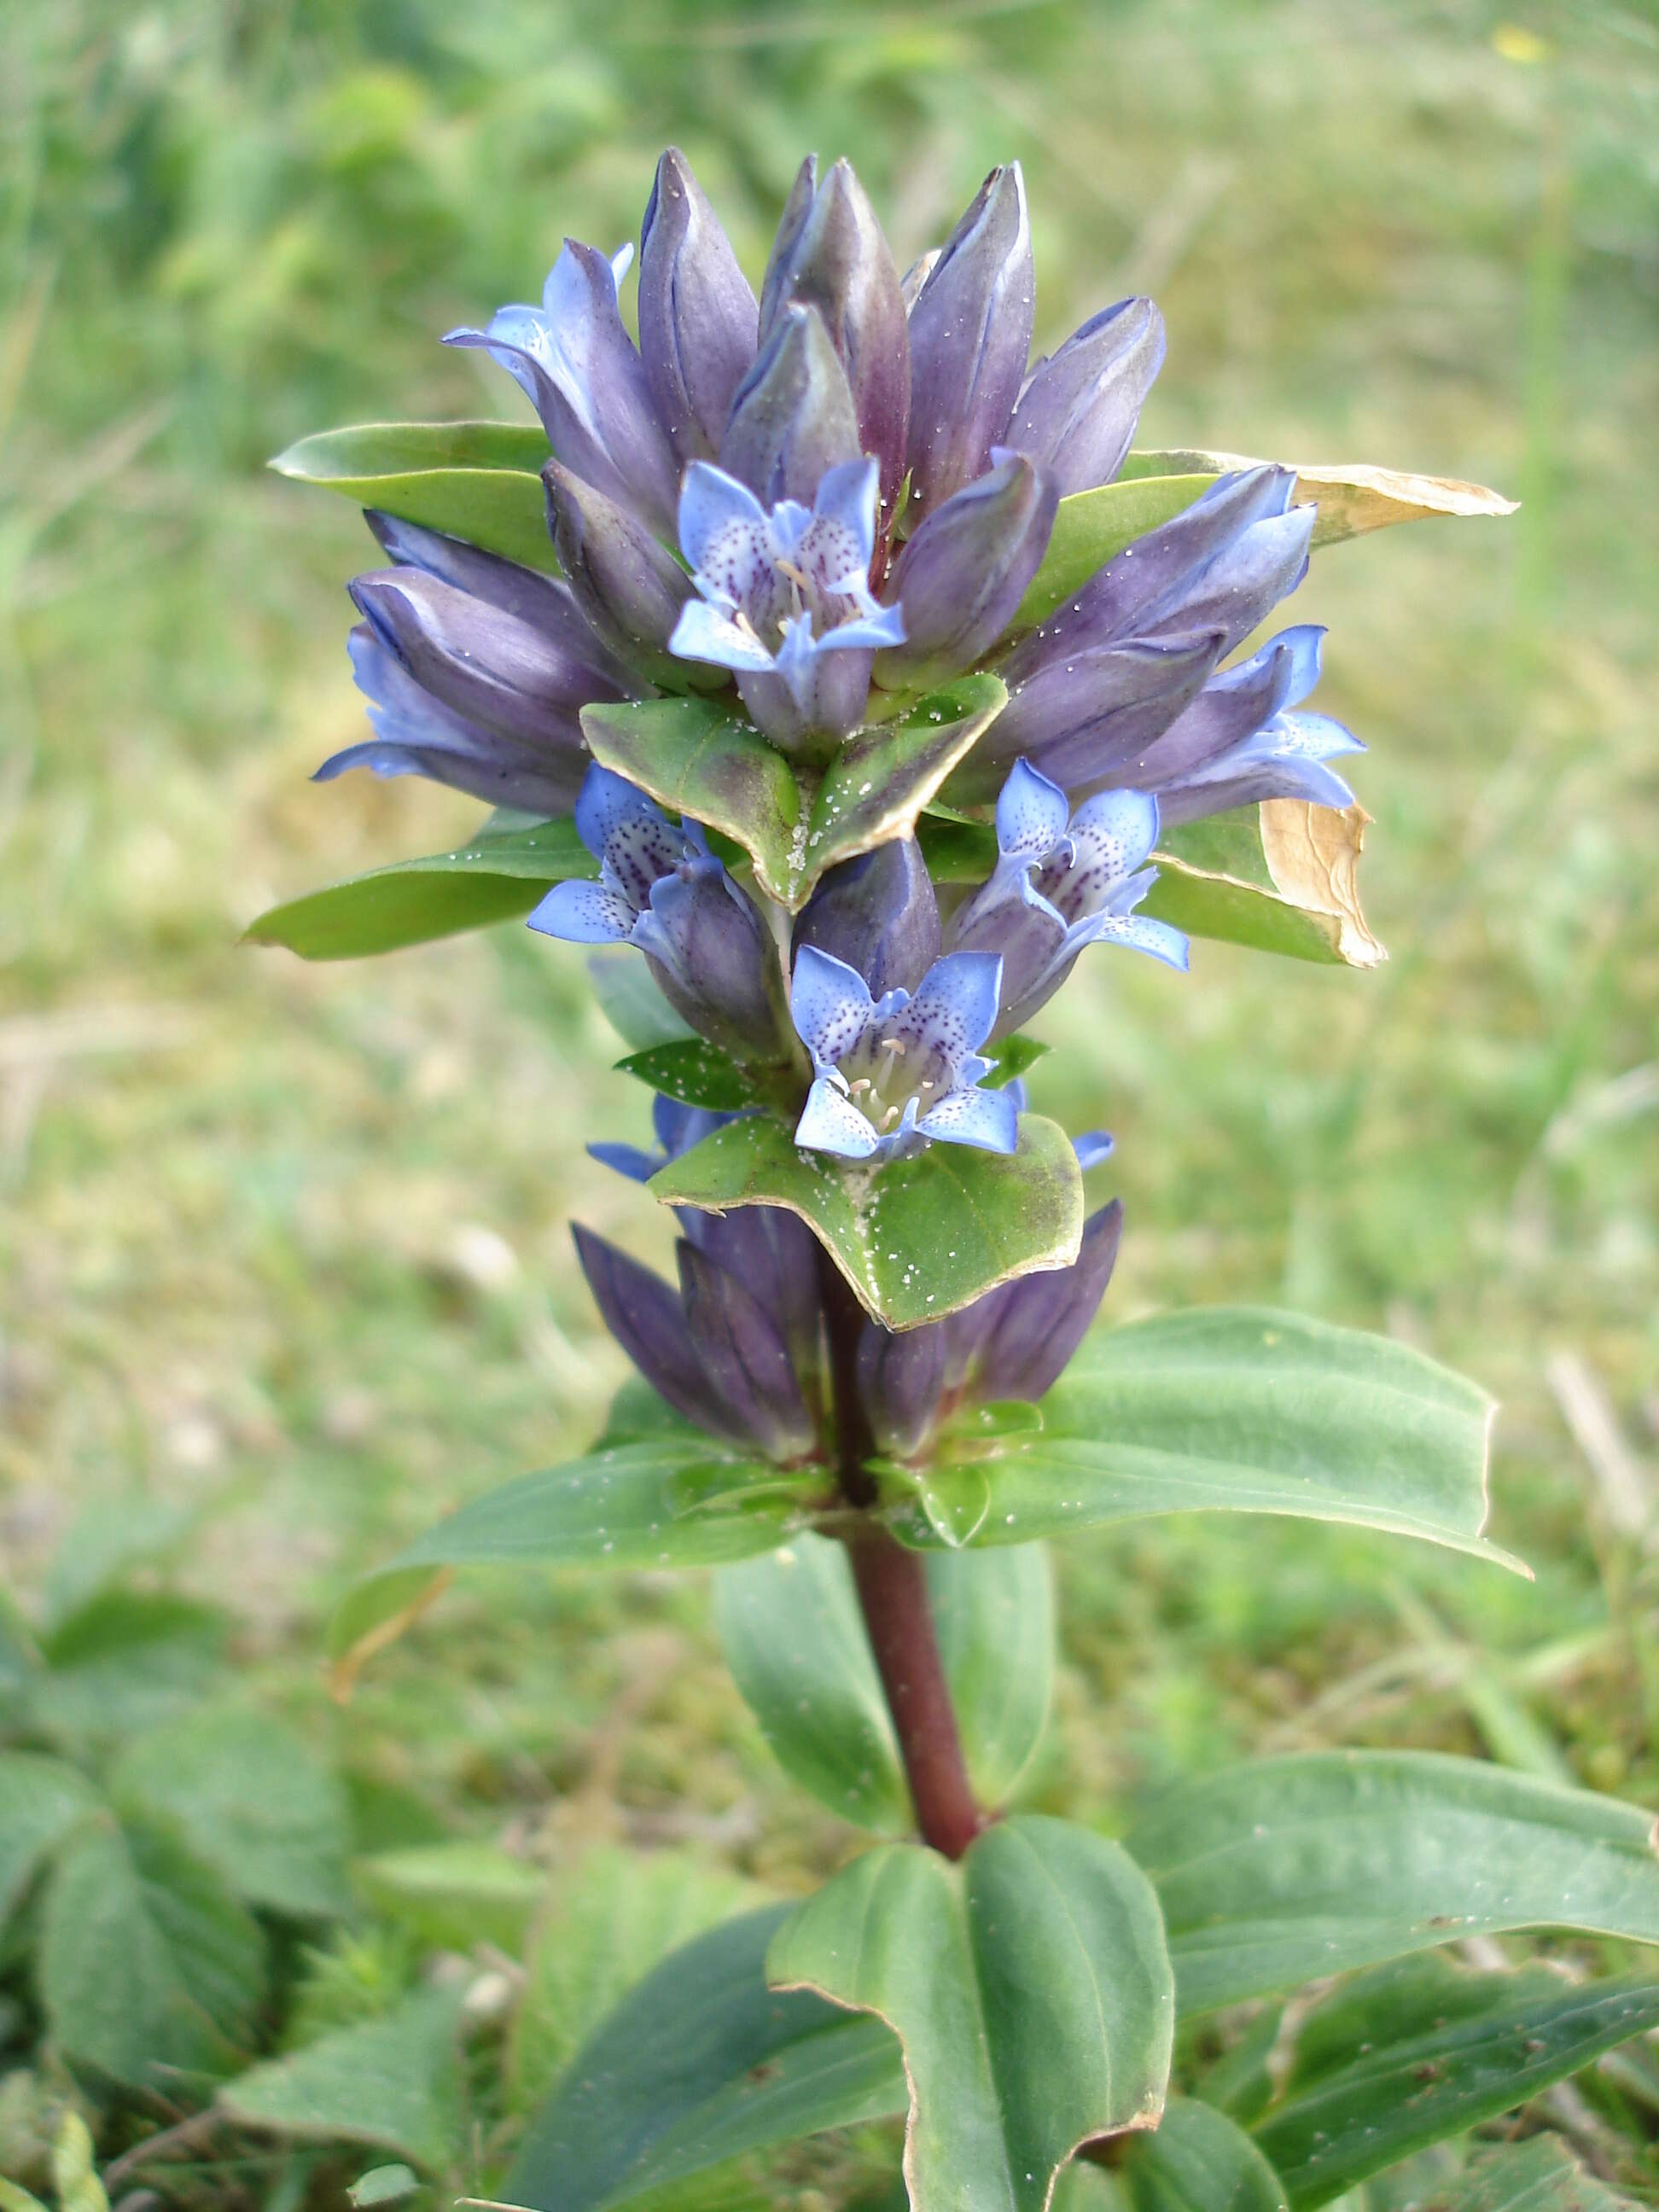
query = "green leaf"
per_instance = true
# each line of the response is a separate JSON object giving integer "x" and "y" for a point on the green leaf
{"x": 1419, "y": 2050}
{"x": 1014, "y": 1055}
{"x": 706, "y": 760}
{"x": 42, "y": 1802}
{"x": 456, "y": 1894}
{"x": 795, "y": 1643}
{"x": 248, "y": 1798}
{"x": 148, "y": 1969}
{"x": 629, "y": 1505}
{"x": 694, "y": 1072}
{"x": 1279, "y": 877}
{"x": 1285, "y": 1868}
{"x": 700, "y": 2063}
{"x": 1351, "y": 496}
{"x": 395, "y": 2084}
{"x": 127, "y": 1661}
{"x": 1242, "y": 1410}
{"x": 498, "y": 877}
{"x": 915, "y": 1238}
{"x": 480, "y": 481}
{"x": 1093, "y": 527}
{"x": 383, "y": 2184}
{"x": 1534, "y": 2175}
{"x": 632, "y": 1002}
{"x": 1029, "y": 1986}
{"x": 1198, "y": 2161}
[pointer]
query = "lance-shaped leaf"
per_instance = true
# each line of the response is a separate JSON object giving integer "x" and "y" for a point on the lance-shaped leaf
{"x": 698, "y": 2064}
{"x": 1240, "y": 1409}
{"x": 1283, "y": 1869}
{"x": 1419, "y": 2050}
{"x": 1279, "y": 876}
{"x": 1197, "y": 2160}
{"x": 797, "y": 1648}
{"x": 1029, "y": 1986}
{"x": 707, "y": 763}
{"x": 677, "y": 1499}
{"x": 1537, "y": 2175}
{"x": 694, "y": 1072}
{"x": 915, "y": 1238}
{"x": 479, "y": 481}
{"x": 1352, "y": 497}
{"x": 499, "y": 876}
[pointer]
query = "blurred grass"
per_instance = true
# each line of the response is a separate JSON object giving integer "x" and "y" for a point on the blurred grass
{"x": 286, "y": 1246}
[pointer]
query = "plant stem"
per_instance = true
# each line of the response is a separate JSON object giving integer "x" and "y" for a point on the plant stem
{"x": 893, "y": 1590}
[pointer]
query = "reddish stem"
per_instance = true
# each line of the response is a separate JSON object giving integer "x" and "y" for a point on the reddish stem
{"x": 898, "y": 1618}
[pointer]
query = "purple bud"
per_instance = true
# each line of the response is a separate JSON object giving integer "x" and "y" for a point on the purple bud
{"x": 697, "y": 314}
{"x": 877, "y": 913}
{"x": 743, "y": 1353}
{"x": 796, "y": 209}
{"x": 970, "y": 335}
{"x": 544, "y": 603}
{"x": 480, "y": 663}
{"x": 792, "y": 419}
{"x": 648, "y": 1320}
{"x": 1077, "y": 413}
{"x": 961, "y": 576}
{"x": 774, "y": 1255}
{"x": 627, "y": 584}
{"x": 837, "y": 260}
{"x": 900, "y": 1378}
{"x": 916, "y": 276}
{"x": 1016, "y": 1341}
{"x": 715, "y": 962}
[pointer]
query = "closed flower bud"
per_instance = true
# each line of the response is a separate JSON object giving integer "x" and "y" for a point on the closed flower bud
{"x": 961, "y": 576}
{"x": 971, "y": 336}
{"x": 697, "y": 315}
{"x": 877, "y": 913}
{"x": 792, "y": 419}
{"x": 1077, "y": 413}
{"x": 629, "y": 587}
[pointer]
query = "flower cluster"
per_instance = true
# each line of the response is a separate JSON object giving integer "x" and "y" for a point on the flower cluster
{"x": 813, "y": 508}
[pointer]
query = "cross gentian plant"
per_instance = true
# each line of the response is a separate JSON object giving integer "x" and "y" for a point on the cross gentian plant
{"x": 859, "y": 673}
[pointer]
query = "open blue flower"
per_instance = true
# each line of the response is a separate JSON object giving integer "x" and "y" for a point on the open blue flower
{"x": 1062, "y": 881}
{"x": 781, "y": 589}
{"x": 891, "y": 1073}
{"x": 662, "y": 890}
{"x": 1243, "y": 738}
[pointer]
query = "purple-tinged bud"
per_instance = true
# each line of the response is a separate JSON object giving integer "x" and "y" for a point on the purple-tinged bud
{"x": 796, "y": 209}
{"x": 482, "y": 664}
{"x": 839, "y": 262}
{"x": 971, "y": 336}
{"x": 962, "y": 575}
{"x": 628, "y": 585}
{"x": 743, "y": 1352}
{"x": 792, "y": 419}
{"x": 1077, "y": 413}
{"x": 715, "y": 962}
{"x": 1016, "y": 1341}
{"x": 878, "y": 912}
{"x": 773, "y": 1255}
{"x": 545, "y": 602}
{"x": 697, "y": 315}
{"x": 900, "y": 1379}
{"x": 648, "y": 1320}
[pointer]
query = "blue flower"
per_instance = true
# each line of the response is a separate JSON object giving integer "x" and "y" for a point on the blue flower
{"x": 782, "y": 588}
{"x": 1062, "y": 881}
{"x": 890, "y": 1074}
{"x": 662, "y": 890}
{"x": 1243, "y": 739}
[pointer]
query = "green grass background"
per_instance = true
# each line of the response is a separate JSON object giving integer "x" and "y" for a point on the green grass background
{"x": 286, "y": 1248}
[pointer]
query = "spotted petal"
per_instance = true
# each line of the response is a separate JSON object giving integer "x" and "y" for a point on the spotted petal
{"x": 831, "y": 1123}
{"x": 985, "y": 1119}
{"x": 585, "y": 913}
{"x": 955, "y": 1006}
{"x": 703, "y": 633}
{"x": 830, "y": 1005}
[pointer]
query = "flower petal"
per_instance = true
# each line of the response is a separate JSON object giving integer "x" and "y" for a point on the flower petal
{"x": 955, "y": 1006}
{"x": 829, "y": 1122}
{"x": 984, "y": 1119}
{"x": 830, "y": 1005}
{"x": 703, "y": 633}
{"x": 1032, "y": 815}
{"x": 585, "y": 913}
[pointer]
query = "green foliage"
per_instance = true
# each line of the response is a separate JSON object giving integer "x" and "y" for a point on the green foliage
{"x": 926, "y": 1236}
{"x": 1246, "y": 1412}
{"x": 1419, "y": 2050}
{"x": 395, "y": 2084}
{"x": 480, "y": 481}
{"x": 793, "y": 1637}
{"x": 1196, "y": 2160}
{"x": 499, "y": 875}
{"x": 1030, "y": 1987}
{"x": 1274, "y": 1872}
{"x": 699, "y": 2064}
